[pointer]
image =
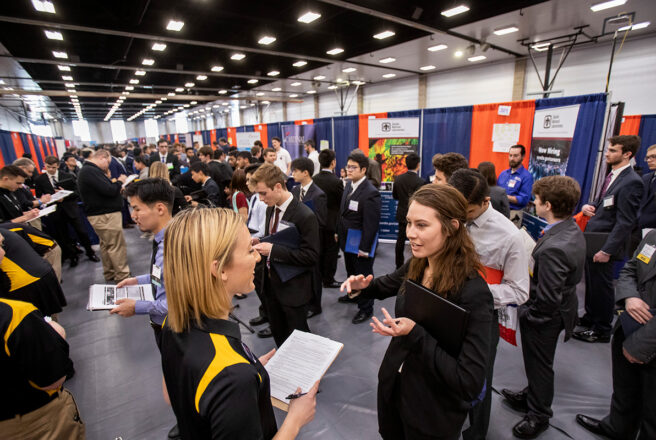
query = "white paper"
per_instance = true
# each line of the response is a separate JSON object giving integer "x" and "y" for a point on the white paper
{"x": 505, "y": 136}
{"x": 130, "y": 179}
{"x": 45, "y": 211}
{"x": 504, "y": 110}
{"x": 302, "y": 360}
{"x": 59, "y": 195}
{"x": 104, "y": 296}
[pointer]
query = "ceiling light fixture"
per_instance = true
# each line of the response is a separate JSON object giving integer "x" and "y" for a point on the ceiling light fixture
{"x": 309, "y": 17}
{"x": 237, "y": 56}
{"x": 430, "y": 67}
{"x": 259, "y": 94}
{"x": 253, "y": 81}
{"x": 316, "y": 78}
{"x": 540, "y": 47}
{"x": 69, "y": 85}
{"x": 174, "y": 25}
{"x": 295, "y": 84}
{"x": 266, "y": 40}
{"x": 311, "y": 92}
{"x": 159, "y": 47}
{"x": 293, "y": 95}
{"x": 437, "y": 47}
{"x": 54, "y": 35}
{"x": 148, "y": 61}
{"x": 455, "y": 11}
{"x": 189, "y": 85}
{"x": 140, "y": 73}
{"x": 273, "y": 73}
{"x": 129, "y": 87}
{"x": 193, "y": 102}
{"x": 44, "y": 6}
{"x": 349, "y": 70}
{"x": 476, "y": 58}
{"x": 64, "y": 68}
{"x": 65, "y": 78}
{"x": 217, "y": 68}
{"x": 171, "y": 94}
{"x": 223, "y": 92}
{"x": 384, "y": 34}
{"x": 299, "y": 63}
{"x": 276, "y": 89}
{"x": 333, "y": 87}
{"x": 201, "y": 77}
{"x": 179, "y": 89}
{"x": 635, "y": 27}
{"x": 358, "y": 83}
{"x": 58, "y": 54}
{"x": 134, "y": 81}
{"x": 335, "y": 51}
{"x": 506, "y": 30}
{"x": 458, "y": 53}
{"x": 384, "y": 61}
{"x": 607, "y": 5}
{"x": 389, "y": 75}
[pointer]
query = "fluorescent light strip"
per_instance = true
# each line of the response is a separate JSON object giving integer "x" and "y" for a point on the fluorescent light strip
{"x": 44, "y": 6}
{"x": 140, "y": 73}
{"x": 175, "y": 25}
{"x": 266, "y": 40}
{"x": 299, "y": 63}
{"x": 309, "y": 17}
{"x": 295, "y": 84}
{"x": 316, "y": 78}
{"x": 273, "y": 73}
{"x": 58, "y": 54}
{"x": 64, "y": 68}
{"x": 253, "y": 81}
{"x": 54, "y": 35}
{"x": 386, "y": 60}
{"x": 148, "y": 62}
{"x": 635, "y": 27}
{"x": 384, "y": 34}
{"x": 201, "y": 77}
{"x": 607, "y": 5}
{"x": 455, "y": 11}
{"x": 217, "y": 68}
{"x": 437, "y": 47}
{"x": 476, "y": 58}
{"x": 506, "y": 30}
{"x": 349, "y": 70}
{"x": 159, "y": 47}
{"x": 335, "y": 51}
{"x": 389, "y": 75}
{"x": 430, "y": 67}
{"x": 238, "y": 56}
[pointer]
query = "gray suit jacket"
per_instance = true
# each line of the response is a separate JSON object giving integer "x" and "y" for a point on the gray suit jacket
{"x": 559, "y": 259}
{"x": 638, "y": 280}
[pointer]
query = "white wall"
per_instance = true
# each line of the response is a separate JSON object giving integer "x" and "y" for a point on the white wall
{"x": 272, "y": 113}
{"x": 388, "y": 97}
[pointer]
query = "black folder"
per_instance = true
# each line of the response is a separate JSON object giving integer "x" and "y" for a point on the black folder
{"x": 291, "y": 238}
{"x": 445, "y": 321}
{"x": 630, "y": 325}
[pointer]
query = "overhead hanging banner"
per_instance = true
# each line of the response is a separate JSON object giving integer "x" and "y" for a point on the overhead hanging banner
{"x": 553, "y": 130}
{"x": 294, "y": 136}
{"x": 390, "y": 141}
{"x": 245, "y": 139}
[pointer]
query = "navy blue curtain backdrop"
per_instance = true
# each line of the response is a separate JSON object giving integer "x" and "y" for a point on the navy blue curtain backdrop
{"x": 207, "y": 140}
{"x": 7, "y": 147}
{"x": 346, "y": 138}
{"x": 273, "y": 130}
{"x": 26, "y": 146}
{"x": 323, "y": 130}
{"x": 647, "y": 133}
{"x": 445, "y": 130}
{"x": 221, "y": 133}
{"x": 404, "y": 114}
{"x": 587, "y": 135}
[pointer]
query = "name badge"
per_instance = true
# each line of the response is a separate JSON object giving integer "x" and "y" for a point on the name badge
{"x": 531, "y": 265}
{"x": 646, "y": 253}
{"x": 156, "y": 275}
{"x": 169, "y": 165}
{"x": 512, "y": 183}
{"x": 353, "y": 205}
{"x": 609, "y": 201}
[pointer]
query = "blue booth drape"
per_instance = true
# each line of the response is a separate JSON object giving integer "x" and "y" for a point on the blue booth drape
{"x": 346, "y": 138}
{"x": 587, "y": 135}
{"x": 7, "y": 147}
{"x": 323, "y": 130}
{"x": 273, "y": 130}
{"x": 647, "y": 133}
{"x": 445, "y": 130}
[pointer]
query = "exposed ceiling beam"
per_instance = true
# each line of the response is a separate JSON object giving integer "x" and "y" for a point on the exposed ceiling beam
{"x": 167, "y": 39}
{"x": 413, "y": 24}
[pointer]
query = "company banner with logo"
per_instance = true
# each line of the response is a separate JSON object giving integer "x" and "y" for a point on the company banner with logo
{"x": 390, "y": 141}
{"x": 245, "y": 140}
{"x": 553, "y": 130}
{"x": 293, "y": 137}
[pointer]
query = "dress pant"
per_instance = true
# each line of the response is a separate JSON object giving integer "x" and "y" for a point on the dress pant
{"x": 599, "y": 295}
{"x": 400, "y": 244}
{"x": 58, "y": 419}
{"x": 113, "y": 250}
{"x": 633, "y": 405}
{"x": 479, "y": 415}
{"x": 328, "y": 256}
{"x": 76, "y": 223}
{"x": 259, "y": 286}
{"x": 54, "y": 257}
{"x": 283, "y": 320}
{"x": 538, "y": 349}
{"x": 360, "y": 266}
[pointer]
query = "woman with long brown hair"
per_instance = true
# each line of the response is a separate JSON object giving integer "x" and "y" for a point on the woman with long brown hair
{"x": 423, "y": 391}
{"x": 238, "y": 194}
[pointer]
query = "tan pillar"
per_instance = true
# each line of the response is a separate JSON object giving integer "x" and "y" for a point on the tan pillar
{"x": 360, "y": 99}
{"x": 422, "y": 91}
{"x": 519, "y": 80}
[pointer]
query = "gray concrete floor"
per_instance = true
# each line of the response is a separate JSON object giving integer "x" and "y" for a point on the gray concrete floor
{"x": 118, "y": 374}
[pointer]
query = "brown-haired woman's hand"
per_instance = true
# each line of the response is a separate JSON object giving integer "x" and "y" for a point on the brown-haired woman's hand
{"x": 356, "y": 282}
{"x": 392, "y": 326}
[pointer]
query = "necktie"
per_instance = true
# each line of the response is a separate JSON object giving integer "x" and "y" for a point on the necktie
{"x": 606, "y": 183}
{"x": 276, "y": 219}
{"x": 302, "y": 194}
{"x": 53, "y": 182}
{"x": 163, "y": 159}
{"x": 152, "y": 263}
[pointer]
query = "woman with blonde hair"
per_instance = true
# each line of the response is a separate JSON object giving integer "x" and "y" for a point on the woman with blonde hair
{"x": 217, "y": 388}
{"x": 158, "y": 169}
{"x": 425, "y": 392}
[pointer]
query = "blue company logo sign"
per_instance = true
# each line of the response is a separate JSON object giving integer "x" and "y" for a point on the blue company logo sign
{"x": 547, "y": 121}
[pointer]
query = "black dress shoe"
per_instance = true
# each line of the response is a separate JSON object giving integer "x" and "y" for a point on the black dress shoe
{"x": 346, "y": 299}
{"x": 590, "y": 336}
{"x": 584, "y": 321}
{"x": 259, "y": 320}
{"x": 332, "y": 285}
{"x": 362, "y": 316}
{"x": 74, "y": 261}
{"x": 530, "y": 427}
{"x": 264, "y": 333}
{"x": 311, "y": 313}
{"x": 93, "y": 257}
{"x": 593, "y": 425}
{"x": 516, "y": 400}
{"x": 174, "y": 433}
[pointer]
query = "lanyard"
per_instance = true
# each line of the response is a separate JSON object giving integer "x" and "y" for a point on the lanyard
{"x": 13, "y": 201}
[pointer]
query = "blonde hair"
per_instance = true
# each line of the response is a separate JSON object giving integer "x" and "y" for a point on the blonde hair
{"x": 195, "y": 238}
{"x": 158, "y": 169}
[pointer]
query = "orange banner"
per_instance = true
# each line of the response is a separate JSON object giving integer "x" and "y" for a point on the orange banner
{"x": 630, "y": 125}
{"x": 363, "y": 130}
{"x": 18, "y": 144}
{"x": 232, "y": 135}
{"x": 304, "y": 122}
{"x": 212, "y": 137}
{"x": 264, "y": 135}
{"x": 484, "y": 117}
{"x": 35, "y": 158}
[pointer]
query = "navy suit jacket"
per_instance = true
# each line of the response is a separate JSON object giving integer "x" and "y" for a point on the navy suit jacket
{"x": 365, "y": 218}
{"x": 647, "y": 215}
{"x": 170, "y": 158}
{"x": 318, "y": 197}
{"x": 334, "y": 189}
{"x": 620, "y": 218}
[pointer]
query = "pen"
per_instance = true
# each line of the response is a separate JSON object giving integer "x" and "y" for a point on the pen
{"x": 296, "y": 396}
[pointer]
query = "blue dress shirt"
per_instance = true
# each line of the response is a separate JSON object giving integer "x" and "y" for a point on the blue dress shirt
{"x": 518, "y": 184}
{"x": 159, "y": 308}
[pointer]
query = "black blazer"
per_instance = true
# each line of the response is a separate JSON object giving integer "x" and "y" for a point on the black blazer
{"x": 213, "y": 192}
{"x": 43, "y": 186}
{"x": 170, "y": 158}
{"x": 297, "y": 291}
{"x": 318, "y": 197}
{"x": 499, "y": 200}
{"x": 436, "y": 389}
{"x": 334, "y": 189}
{"x": 366, "y": 218}
{"x": 618, "y": 220}
{"x": 647, "y": 213}
{"x": 559, "y": 259}
{"x": 404, "y": 186}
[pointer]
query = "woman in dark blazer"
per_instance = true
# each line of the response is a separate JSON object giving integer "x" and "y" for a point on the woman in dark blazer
{"x": 423, "y": 391}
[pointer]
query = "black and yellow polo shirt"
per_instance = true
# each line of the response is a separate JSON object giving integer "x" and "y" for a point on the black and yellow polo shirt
{"x": 21, "y": 265}
{"x": 32, "y": 355}
{"x": 218, "y": 389}
{"x": 38, "y": 240}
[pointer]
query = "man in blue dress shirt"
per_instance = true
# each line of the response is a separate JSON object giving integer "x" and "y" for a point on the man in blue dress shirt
{"x": 517, "y": 182}
{"x": 152, "y": 204}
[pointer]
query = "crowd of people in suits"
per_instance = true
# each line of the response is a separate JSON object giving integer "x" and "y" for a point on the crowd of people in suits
{"x": 283, "y": 224}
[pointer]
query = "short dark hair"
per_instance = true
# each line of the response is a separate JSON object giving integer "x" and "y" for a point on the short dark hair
{"x": 521, "y": 147}
{"x": 311, "y": 143}
{"x": 257, "y": 143}
{"x": 255, "y": 149}
{"x": 161, "y": 141}
{"x": 218, "y": 153}
{"x": 152, "y": 190}
{"x": 51, "y": 160}
{"x": 630, "y": 143}
{"x": 222, "y": 139}
{"x": 245, "y": 155}
{"x": 562, "y": 192}
{"x": 252, "y": 168}
{"x": 326, "y": 157}
{"x": 142, "y": 159}
{"x": 269, "y": 150}
{"x": 303, "y": 164}
{"x": 190, "y": 148}
{"x": 276, "y": 138}
{"x": 471, "y": 184}
{"x": 488, "y": 171}
{"x": 206, "y": 151}
{"x": 449, "y": 163}
{"x": 412, "y": 160}
{"x": 360, "y": 159}
{"x": 198, "y": 167}
{"x": 136, "y": 151}
{"x": 12, "y": 171}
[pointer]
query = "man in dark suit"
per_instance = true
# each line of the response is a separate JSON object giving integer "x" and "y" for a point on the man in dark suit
{"x": 165, "y": 156}
{"x": 647, "y": 211}
{"x": 311, "y": 195}
{"x": 359, "y": 211}
{"x": 334, "y": 189}
{"x": 614, "y": 212}
{"x": 200, "y": 174}
{"x": 633, "y": 405}
{"x": 404, "y": 186}
{"x": 558, "y": 262}
{"x": 67, "y": 210}
{"x": 286, "y": 300}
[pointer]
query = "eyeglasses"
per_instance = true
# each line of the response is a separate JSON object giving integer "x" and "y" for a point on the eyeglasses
{"x": 650, "y": 157}
{"x": 352, "y": 167}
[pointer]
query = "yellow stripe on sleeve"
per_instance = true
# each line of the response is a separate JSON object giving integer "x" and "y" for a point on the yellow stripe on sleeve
{"x": 41, "y": 240}
{"x": 17, "y": 276}
{"x": 19, "y": 310}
